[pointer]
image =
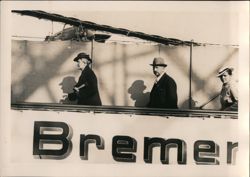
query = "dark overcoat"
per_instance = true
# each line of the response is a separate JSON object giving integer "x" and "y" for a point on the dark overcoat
{"x": 89, "y": 94}
{"x": 164, "y": 93}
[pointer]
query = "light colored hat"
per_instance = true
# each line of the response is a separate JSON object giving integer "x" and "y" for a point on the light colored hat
{"x": 223, "y": 70}
{"x": 158, "y": 61}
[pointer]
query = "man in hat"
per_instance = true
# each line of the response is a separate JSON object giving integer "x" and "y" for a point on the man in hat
{"x": 164, "y": 91}
{"x": 229, "y": 91}
{"x": 86, "y": 89}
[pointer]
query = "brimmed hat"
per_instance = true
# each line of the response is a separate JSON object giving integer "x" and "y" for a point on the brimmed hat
{"x": 82, "y": 55}
{"x": 158, "y": 61}
{"x": 223, "y": 70}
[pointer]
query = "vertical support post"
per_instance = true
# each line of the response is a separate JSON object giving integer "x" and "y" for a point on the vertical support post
{"x": 190, "y": 75}
{"x": 92, "y": 51}
{"x": 159, "y": 50}
{"x": 52, "y": 28}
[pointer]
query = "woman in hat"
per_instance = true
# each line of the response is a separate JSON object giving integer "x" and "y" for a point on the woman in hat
{"x": 86, "y": 89}
{"x": 229, "y": 91}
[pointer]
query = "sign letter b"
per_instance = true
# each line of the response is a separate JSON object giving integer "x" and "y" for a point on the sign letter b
{"x": 48, "y": 136}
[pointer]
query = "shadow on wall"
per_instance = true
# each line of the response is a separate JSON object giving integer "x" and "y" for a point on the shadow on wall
{"x": 136, "y": 92}
{"x": 34, "y": 85}
{"x": 118, "y": 61}
{"x": 186, "y": 104}
{"x": 204, "y": 80}
{"x": 34, "y": 72}
{"x": 67, "y": 86}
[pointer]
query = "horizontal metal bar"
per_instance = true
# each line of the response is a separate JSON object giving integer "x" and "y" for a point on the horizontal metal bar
{"x": 125, "y": 110}
{"x": 106, "y": 28}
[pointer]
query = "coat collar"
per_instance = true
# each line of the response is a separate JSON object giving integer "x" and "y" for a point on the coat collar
{"x": 160, "y": 77}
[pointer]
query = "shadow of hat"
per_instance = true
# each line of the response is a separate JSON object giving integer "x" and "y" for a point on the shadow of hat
{"x": 223, "y": 70}
{"x": 69, "y": 80}
{"x": 137, "y": 85}
{"x": 82, "y": 55}
{"x": 158, "y": 61}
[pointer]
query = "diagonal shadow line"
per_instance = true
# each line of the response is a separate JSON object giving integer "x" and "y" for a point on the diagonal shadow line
{"x": 227, "y": 58}
{"x": 114, "y": 61}
{"x": 103, "y": 87}
{"x": 18, "y": 55}
{"x": 180, "y": 63}
{"x": 66, "y": 57}
{"x": 51, "y": 95}
{"x": 70, "y": 72}
{"x": 34, "y": 72}
{"x": 141, "y": 75}
{"x": 61, "y": 57}
{"x": 212, "y": 73}
{"x": 128, "y": 57}
{"x": 195, "y": 77}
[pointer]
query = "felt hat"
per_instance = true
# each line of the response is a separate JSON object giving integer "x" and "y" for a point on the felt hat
{"x": 223, "y": 70}
{"x": 158, "y": 61}
{"x": 82, "y": 55}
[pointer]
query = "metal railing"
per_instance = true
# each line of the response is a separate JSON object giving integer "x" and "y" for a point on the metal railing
{"x": 185, "y": 113}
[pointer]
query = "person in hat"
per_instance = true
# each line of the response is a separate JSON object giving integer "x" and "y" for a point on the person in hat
{"x": 229, "y": 91}
{"x": 86, "y": 89}
{"x": 164, "y": 91}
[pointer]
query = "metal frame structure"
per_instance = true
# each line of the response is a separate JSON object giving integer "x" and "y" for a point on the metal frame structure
{"x": 153, "y": 38}
{"x": 93, "y": 26}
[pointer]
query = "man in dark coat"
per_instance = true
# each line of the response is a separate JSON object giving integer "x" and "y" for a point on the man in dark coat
{"x": 164, "y": 91}
{"x": 86, "y": 89}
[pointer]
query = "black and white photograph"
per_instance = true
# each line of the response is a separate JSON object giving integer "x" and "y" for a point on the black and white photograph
{"x": 143, "y": 88}
{"x": 126, "y": 64}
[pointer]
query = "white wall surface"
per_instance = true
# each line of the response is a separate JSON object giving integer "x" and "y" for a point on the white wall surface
{"x": 101, "y": 162}
{"x": 124, "y": 75}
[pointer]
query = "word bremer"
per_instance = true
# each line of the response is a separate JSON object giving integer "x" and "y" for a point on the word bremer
{"x": 123, "y": 147}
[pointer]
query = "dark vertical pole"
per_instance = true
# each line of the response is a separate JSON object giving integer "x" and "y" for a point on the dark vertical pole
{"x": 190, "y": 75}
{"x": 52, "y": 28}
{"x": 159, "y": 50}
{"x": 92, "y": 52}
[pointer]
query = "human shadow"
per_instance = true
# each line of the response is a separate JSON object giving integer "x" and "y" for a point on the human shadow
{"x": 186, "y": 104}
{"x": 67, "y": 86}
{"x": 136, "y": 90}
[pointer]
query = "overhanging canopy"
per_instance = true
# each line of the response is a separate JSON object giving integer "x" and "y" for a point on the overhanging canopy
{"x": 93, "y": 26}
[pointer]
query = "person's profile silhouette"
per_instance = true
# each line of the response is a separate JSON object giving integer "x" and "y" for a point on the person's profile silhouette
{"x": 67, "y": 86}
{"x": 137, "y": 93}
